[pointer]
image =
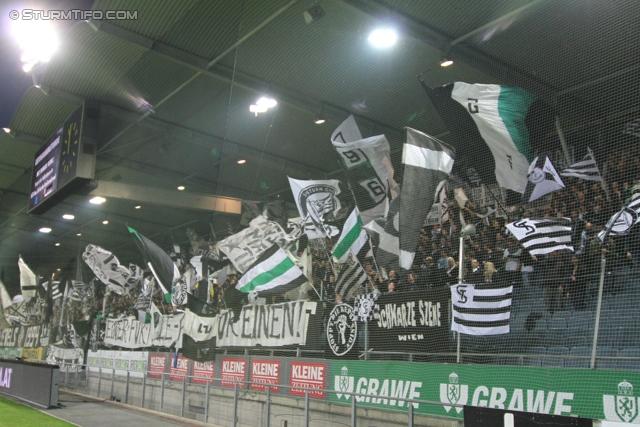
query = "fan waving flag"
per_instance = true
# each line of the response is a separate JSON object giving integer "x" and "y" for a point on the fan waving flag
{"x": 388, "y": 252}
{"x": 481, "y": 309}
{"x": 352, "y": 238}
{"x": 159, "y": 262}
{"x": 542, "y": 180}
{"x": 542, "y": 235}
{"x": 27, "y": 279}
{"x": 350, "y": 279}
{"x": 586, "y": 169}
{"x": 272, "y": 274}
{"x": 427, "y": 165}
{"x": 107, "y": 268}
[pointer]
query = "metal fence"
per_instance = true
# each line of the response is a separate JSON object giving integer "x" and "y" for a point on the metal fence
{"x": 241, "y": 405}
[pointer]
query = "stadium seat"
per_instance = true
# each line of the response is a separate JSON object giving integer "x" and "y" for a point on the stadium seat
{"x": 582, "y": 317}
{"x": 607, "y": 336}
{"x": 577, "y": 341}
{"x": 578, "y": 363}
{"x": 606, "y": 363}
{"x": 566, "y": 315}
{"x": 555, "y": 337}
{"x": 555, "y": 362}
{"x": 629, "y": 364}
{"x": 557, "y": 323}
{"x": 535, "y": 361}
{"x": 628, "y": 336}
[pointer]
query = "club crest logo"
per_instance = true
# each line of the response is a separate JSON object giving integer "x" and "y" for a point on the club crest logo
{"x": 318, "y": 202}
{"x": 343, "y": 384}
{"x": 537, "y": 176}
{"x": 179, "y": 292}
{"x": 622, "y": 407}
{"x": 454, "y": 393}
{"x": 342, "y": 329}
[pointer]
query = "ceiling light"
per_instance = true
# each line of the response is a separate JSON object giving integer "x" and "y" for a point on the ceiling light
{"x": 98, "y": 200}
{"x": 105, "y": 222}
{"x": 57, "y": 269}
{"x": 68, "y": 216}
{"x": 180, "y": 187}
{"x": 45, "y": 230}
{"x": 6, "y": 130}
{"x": 242, "y": 161}
{"x": 57, "y": 244}
{"x": 138, "y": 207}
{"x": 267, "y": 102}
{"x": 37, "y": 40}
{"x": 446, "y": 62}
{"x": 319, "y": 120}
{"x": 385, "y": 37}
{"x": 257, "y": 109}
{"x": 79, "y": 234}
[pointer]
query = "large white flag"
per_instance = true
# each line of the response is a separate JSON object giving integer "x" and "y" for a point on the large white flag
{"x": 27, "y": 279}
{"x": 367, "y": 164}
{"x": 317, "y": 203}
{"x": 499, "y": 112}
{"x": 481, "y": 309}
{"x": 542, "y": 179}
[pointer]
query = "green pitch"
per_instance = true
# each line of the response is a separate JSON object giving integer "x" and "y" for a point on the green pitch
{"x": 13, "y": 414}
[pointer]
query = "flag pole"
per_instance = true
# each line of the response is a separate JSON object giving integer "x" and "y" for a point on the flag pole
{"x": 460, "y": 271}
{"x": 603, "y": 262}
{"x": 563, "y": 142}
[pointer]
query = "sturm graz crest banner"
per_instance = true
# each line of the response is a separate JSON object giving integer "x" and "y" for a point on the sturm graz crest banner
{"x": 317, "y": 203}
{"x": 342, "y": 329}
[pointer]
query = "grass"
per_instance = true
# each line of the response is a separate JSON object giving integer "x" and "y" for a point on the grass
{"x": 13, "y": 414}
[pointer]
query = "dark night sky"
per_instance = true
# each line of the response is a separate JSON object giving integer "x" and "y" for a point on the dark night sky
{"x": 13, "y": 81}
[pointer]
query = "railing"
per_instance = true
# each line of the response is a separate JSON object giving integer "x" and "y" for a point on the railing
{"x": 241, "y": 405}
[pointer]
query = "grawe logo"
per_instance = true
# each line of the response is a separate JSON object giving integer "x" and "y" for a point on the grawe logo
{"x": 622, "y": 407}
{"x": 381, "y": 392}
{"x": 454, "y": 393}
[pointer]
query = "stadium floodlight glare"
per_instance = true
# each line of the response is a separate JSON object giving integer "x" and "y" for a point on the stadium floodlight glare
{"x": 68, "y": 216}
{"x": 267, "y": 102}
{"x": 45, "y": 230}
{"x": 97, "y": 200}
{"x": 383, "y": 37}
{"x": 37, "y": 40}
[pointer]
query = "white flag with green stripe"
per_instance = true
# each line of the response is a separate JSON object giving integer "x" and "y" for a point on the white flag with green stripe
{"x": 352, "y": 239}
{"x": 273, "y": 273}
{"x": 499, "y": 112}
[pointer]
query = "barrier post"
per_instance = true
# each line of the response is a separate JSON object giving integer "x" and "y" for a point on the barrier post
{"x": 235, "y": 404}
{"x": 306, "y": 408}
{"x": 126, "y": 391}
{"x": 594, "y": 346}
{"x": 353, "y": 411}
{"x": 206, "y": 404}
{"x": 99, "y": 381}
{"x": 161, "y": 391}
{"x": 184, "y": 386}
{"x": 113, "y": 379}
{"x": 410, "y": 421}
{"x": 144, "y": 388}
{"x": 268, "y": 405}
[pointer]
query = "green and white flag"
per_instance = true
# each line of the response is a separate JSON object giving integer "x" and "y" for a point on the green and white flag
{"x": 499, "y": 112}
{"x": 352, "y": 238}
{"x": 273, "y": 273}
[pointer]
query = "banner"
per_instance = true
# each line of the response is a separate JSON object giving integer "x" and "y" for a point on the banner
{"x": 598, "y": 394}
{"x": 271, "y": 325}
{"x": 25, "y": 336}
{"x": 69, "y": 359}
{"x": 412, "y": 321}
{"x": 130, "y": 333}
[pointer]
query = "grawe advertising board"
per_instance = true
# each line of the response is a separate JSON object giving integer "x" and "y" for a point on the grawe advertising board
{"x": 307, "y": 376}
{"x": 265, "y": 372}
{"x": 234, "y": 370}
{"x": 202, "y": 371}
{"x": 597, "y": 394}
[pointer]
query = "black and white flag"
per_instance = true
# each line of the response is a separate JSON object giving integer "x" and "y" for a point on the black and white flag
{"x": 586, "y": 169}
{"x": 481, "y": 309}
{"x": 427, "y": 165}
{"x": 27, "y": 279}
{"x": 350, "y": 279}
{"x": 367, "y": 164}
{"x": 108, "y": 269}
{"x": 622, "y": 221}
{"x": 317, "y": 203}
{"x": 542, "y": 235}
{"x": 365, "y": 307}
{"x": 388, "y": 251}
{"x": 542, "y": 179}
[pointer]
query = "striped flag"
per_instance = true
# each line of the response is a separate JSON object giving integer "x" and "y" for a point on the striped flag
{"x": 273, "y": 273}
{"x": 350, "y": 279}
{"x": 586, "y": 169}
{"x": 27, "y": 279}
{"x": 352, "y": 238}
{"x": 542, "y": 235}
{"x": 78, "y": 290}
{"x": 481, "y": 309}
{"x": 55, "y": 290}
{"x": 427, "y": 165}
